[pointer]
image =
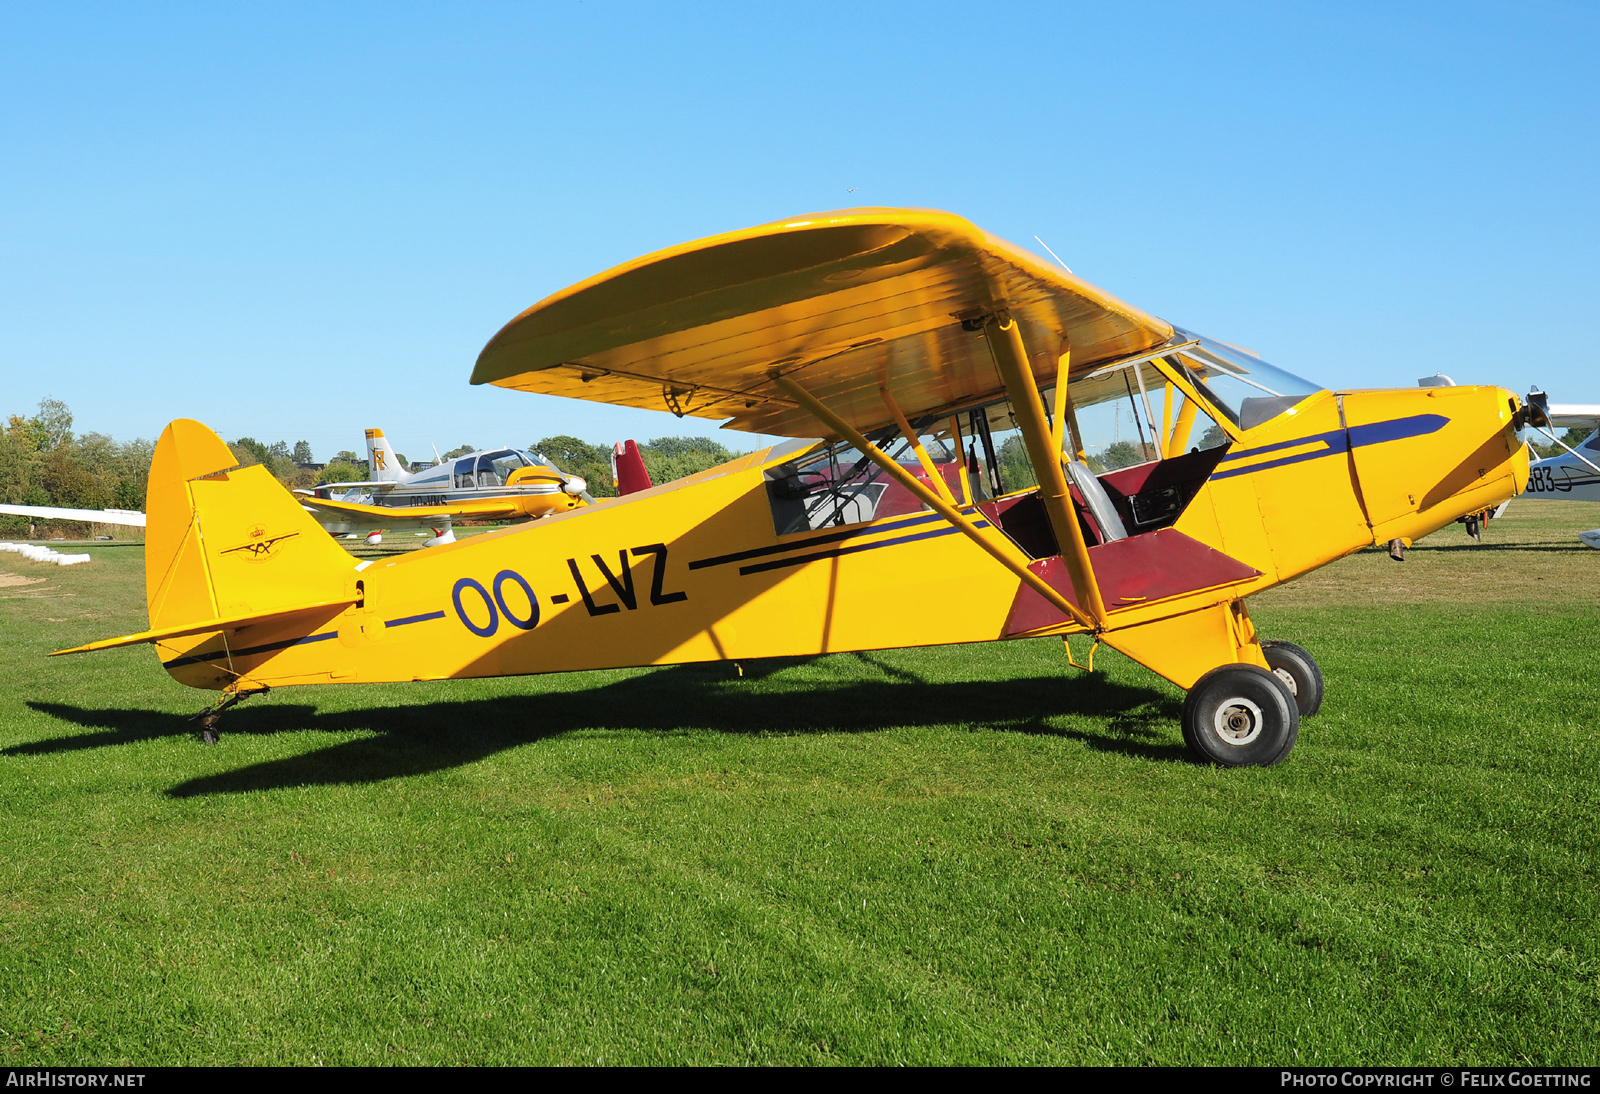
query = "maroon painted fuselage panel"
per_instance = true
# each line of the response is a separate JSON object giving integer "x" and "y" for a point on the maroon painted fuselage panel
{"x": 1137, "y": 570}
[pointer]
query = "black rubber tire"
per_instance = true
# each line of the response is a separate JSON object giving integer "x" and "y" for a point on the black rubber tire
{"x": 1298, "y": 669}
{"x": 1240, "y": 716}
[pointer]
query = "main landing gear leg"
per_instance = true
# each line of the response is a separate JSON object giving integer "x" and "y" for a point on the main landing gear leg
{"x": 212, "y": 715}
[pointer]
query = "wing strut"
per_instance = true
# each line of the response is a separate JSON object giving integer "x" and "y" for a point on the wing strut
{"x": 996, "y": 546}
{"x": 1011, "y": 358}
{"x": 928, "y": 467}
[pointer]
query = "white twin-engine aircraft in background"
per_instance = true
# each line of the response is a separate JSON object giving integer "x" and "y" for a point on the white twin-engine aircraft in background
{"x": 493, "y": 484}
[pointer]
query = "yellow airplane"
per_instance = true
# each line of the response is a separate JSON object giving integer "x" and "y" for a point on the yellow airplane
{"x": 993, "y": 465}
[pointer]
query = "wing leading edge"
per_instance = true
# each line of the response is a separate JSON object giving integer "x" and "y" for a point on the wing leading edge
{"x": 842, "y": 302}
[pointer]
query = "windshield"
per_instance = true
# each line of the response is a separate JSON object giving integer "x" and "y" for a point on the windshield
{"x": 1243, "y": 386}
{"x": 502, "y": 463}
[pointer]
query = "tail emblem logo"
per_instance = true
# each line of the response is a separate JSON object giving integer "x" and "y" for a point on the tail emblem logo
{"x": 261, "y": 547}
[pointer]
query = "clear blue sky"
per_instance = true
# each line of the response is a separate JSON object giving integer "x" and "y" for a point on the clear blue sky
{"x": 297, "y": 222}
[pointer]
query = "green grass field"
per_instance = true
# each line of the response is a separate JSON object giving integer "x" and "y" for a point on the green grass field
{"x": 967, "y": 854}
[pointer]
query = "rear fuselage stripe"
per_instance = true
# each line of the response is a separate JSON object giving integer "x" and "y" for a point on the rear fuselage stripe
{"x": 409, "y": 619}
{"x": 273, "y": 647}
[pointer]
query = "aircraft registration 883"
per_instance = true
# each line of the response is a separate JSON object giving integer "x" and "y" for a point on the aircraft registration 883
{"x": 1006, "y": 451}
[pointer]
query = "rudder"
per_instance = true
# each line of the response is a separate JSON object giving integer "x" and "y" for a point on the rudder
{"x": 224, "y": 541}
{"x": 383, "y": 462}
{"x": 628, "y": 469}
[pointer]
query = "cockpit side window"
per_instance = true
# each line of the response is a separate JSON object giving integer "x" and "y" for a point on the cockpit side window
{"x": 1130, "y": 415}
{"x": 487, "y": 471}
{"x": 1112, "y": 417}
{"x": 837, "y": 486}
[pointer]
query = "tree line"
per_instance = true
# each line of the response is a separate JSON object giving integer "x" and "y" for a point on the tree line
{"x": 43, "y": 462}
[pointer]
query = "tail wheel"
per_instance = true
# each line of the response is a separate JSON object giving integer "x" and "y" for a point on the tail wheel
{"x": 1299, "y": 672}
{"x": 1240, "y": 716}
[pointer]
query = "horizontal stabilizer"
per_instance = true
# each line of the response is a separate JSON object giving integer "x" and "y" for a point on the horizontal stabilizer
{"x": 204, "y": 627}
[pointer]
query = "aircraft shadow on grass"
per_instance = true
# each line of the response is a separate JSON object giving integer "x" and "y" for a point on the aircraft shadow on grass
{"x": 416, "y": 739}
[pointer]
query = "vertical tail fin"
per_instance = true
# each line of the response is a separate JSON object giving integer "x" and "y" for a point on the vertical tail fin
{"x": 224, "y": 541}
{"x": 383, "y": 463}
{"x": 627, "y": 467}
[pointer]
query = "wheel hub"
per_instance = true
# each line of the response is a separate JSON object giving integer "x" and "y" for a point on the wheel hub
{"x": 1238, "y": 721}
{"x": 1288, "y": 678}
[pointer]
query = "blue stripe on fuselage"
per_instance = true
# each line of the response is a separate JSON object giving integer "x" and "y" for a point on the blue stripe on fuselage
{"x": 1334, "y": 442}
{"x": 273, "y": 647}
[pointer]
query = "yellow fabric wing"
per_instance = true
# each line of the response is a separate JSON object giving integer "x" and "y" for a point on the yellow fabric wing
{"x": 841, "y": 302}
